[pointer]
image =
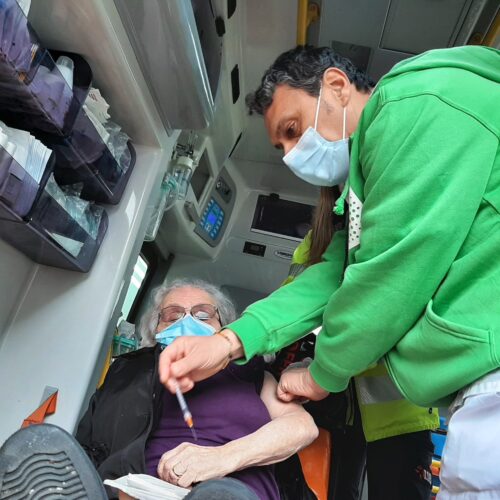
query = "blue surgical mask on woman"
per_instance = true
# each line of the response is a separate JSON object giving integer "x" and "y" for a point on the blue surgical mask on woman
{"x": 186, "y": 326}
{"x": 318, "y": 161}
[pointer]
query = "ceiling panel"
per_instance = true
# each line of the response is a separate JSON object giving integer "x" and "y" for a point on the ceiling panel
{"x": 415, "y": 27}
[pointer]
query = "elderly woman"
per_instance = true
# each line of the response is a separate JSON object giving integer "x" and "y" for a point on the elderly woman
{"x": 134, "y": 425}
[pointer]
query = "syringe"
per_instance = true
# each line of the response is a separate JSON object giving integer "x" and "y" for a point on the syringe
{"x": 188, "y": 418}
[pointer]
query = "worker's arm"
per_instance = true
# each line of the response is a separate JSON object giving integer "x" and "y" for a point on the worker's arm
{"x": 294, "y": 310}
{"x": 286, "y": 315}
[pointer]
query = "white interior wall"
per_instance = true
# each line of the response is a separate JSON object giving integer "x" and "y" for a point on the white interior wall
{"x": 230, "y": 119}
{"x": 56, "y": 323}
{"x": 15, "y": 272}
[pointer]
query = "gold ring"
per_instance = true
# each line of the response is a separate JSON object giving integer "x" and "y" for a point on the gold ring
{"x": 178, "y": 474}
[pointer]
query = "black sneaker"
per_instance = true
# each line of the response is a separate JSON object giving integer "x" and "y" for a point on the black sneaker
{"x": 44, "y": 461}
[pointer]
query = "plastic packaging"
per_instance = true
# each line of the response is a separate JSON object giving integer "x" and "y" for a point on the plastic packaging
{"x": 11, "y": 148}
{"x": 16, "y": 46}
{"x": 39, "y": 222}
{"x": 25, "y": 6}
{"x": 84, "y": 157}
{"x": 66, "y": 67}
{"x": 53, "y": 93}
{"x": 118, "y": 145}
{"x": 4, "y": 139}
{"x": 126, "y": 330}
{"x": 28, "y": 151}
{"x": 98, "y": 154}
{"x": 125, "y": 339}
{"x": 98, "y": 105}
{"x": 169, "y": 191}
{"x": 38, "y": 94}
{"x": 41, "y": 102}
{"x": 84, "y": 213}
{"x": 100, "y": 129}
{"x": 34, "y": 94}
{"x": 174, "y": 187}
{"x": 110, "y": 132}
{"x": 182, "y": 171}
{"x": 18, "y": 189}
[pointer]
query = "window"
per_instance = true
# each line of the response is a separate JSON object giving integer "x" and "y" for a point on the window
{"x": 138, "y": 276}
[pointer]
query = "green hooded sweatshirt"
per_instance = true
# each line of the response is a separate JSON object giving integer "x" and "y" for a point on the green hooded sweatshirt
{"x": 422, "y": 288}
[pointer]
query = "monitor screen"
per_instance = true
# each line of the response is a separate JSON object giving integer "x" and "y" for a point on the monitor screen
{"x": 200, "y": 177}
{"x": 282, "y": 218}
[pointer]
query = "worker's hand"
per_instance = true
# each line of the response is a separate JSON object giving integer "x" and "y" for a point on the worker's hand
{"x": 298, "y": 384}
{"x": 190, "y": 463}
{"x": 191, "y": 359}
{"x": 299, "y": 364}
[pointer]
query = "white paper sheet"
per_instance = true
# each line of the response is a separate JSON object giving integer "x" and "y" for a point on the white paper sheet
{"x": 144, "y": 487}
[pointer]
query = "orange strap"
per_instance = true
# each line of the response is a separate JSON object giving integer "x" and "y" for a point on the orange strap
{"x": 48, "y": 407}
{"x": 315, "y": 460}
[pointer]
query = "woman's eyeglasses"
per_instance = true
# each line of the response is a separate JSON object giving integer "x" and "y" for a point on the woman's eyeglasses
{"x": 203, "y": 312}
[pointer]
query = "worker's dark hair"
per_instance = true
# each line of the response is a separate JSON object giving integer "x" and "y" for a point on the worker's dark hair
{"x": 303, "y": 68}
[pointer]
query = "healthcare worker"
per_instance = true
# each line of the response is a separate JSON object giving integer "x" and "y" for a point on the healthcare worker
{"x": 421, "y": 290}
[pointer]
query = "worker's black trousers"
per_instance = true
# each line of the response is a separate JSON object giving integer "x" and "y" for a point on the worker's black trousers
{"x": 397, "y": 468}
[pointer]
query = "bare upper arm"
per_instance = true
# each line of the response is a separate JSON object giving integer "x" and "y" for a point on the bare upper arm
{"x": 275, "y": 406}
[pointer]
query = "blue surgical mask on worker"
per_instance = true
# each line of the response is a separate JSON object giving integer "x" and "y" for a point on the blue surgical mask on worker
{"x": 318, "y": 161}
{"x": 186, "y": 326}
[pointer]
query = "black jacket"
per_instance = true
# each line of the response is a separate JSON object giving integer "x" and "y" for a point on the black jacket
{"x": 122, "y": 413}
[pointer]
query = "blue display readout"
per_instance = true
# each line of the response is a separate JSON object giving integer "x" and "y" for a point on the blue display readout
{"x": 212, "y": 219}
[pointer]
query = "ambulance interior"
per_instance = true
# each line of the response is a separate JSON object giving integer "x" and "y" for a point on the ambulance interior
{"x": 209, "y": 196}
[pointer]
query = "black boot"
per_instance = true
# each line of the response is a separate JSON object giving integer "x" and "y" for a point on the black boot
{"x": 44, "y": 461}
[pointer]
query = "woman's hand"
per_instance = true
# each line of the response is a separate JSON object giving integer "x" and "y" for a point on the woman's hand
{"x": 190, "y": 463}
{"x": 124, "y": 496}
{"x": 191, "y": 359}
{"x": 298, "y": 384}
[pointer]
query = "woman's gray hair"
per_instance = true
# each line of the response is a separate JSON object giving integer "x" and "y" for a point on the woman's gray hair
{"x": 149, "y": 321}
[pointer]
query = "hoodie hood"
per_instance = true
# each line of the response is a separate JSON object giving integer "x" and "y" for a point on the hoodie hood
{"x": 452, "y": 76}
{"x": 482, "y": 61}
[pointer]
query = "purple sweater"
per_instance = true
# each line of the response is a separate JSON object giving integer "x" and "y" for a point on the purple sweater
{"x": 225, "y": 407}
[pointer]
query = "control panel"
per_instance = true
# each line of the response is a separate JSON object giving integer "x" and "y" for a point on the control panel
{"x": 212, "y": 219}
{"x": 212, "y": 222}
{"x": 224, "y": 190}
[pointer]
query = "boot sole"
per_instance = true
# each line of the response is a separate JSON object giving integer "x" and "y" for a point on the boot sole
{"x": 45, "y": 462}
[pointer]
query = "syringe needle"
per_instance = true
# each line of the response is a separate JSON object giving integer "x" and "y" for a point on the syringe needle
{"x": 193, "y": 432}
{"x": 186, "y": 414}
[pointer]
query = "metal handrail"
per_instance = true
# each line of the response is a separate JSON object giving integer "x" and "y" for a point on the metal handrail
{"x": 307, "y": 13}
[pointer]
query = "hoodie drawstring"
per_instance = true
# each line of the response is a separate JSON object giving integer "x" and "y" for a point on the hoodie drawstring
{"x": 339, "y": 207}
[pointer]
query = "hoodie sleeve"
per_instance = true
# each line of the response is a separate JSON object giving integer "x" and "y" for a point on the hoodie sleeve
{"x": 294, "y": 310}
{"x": 426, "y": 166}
